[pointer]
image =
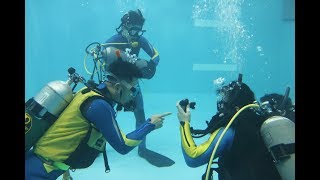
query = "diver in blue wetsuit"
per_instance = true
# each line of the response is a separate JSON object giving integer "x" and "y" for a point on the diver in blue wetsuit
{"x": 82, "y": 130}
{"x": 129, "y": 39}
{"x": 241, "y": 151}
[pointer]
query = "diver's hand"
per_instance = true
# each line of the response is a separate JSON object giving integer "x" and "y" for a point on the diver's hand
{"x": 134, "y": 44}
{"x": 183, "y": 116}
{"x": 158, "y": 119}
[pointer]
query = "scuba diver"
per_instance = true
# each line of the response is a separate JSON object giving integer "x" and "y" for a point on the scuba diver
{"x": 130, "y": 39}
{"x": 238, "y": 137}
{"x": 88, "y": 122}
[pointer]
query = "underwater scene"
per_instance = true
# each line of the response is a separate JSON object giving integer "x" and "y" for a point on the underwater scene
{"x": 170, "y": 89}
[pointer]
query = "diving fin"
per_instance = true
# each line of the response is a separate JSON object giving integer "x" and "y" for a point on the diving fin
{"x": 154, "y": 158}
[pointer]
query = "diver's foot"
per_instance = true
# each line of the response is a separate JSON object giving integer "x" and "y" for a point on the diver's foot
{"x": 155, "y": 158}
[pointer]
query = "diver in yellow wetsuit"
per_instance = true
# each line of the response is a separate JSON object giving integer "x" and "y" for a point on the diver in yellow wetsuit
{"x": 82, "y": 130}
{"x": 242, "y": 153}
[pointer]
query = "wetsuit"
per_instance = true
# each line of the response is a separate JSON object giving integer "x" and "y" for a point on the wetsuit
{"x": 152, "y": 52}
{"x": 196, "y": 156}
{"x": 63, "y": 140}
{"x": 242, "y": 153}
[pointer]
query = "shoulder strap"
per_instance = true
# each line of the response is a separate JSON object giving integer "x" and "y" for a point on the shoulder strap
{"x": 105, "y": 158}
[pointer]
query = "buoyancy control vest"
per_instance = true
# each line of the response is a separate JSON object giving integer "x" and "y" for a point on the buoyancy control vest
{"x": 248, "y": 158}
{"x": 42, "y": 110}
{"x": 79, "y": 141}
{"x": 262, "y": 149}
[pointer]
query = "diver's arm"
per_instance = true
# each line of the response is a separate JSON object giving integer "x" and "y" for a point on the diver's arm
{"x": 150, "y": 50}
{"x": 148, "y": 68}
{"x": 198, "y": 155}
{"x": 102, "y": 115}
{"x": 194, "y": 155}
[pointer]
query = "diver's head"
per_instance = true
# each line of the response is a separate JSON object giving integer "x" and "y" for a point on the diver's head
{"x": 234, "y": 96}
{"x": 131, "y": 25}
{"x": 121, "y": 79}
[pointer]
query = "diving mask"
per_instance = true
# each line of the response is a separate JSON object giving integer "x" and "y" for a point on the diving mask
{"x": 134, "y": 31}
{"x": 134, "y": 89}
{"x": 226, "y": 95}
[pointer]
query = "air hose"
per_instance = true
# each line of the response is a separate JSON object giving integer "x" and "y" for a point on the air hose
{"x": 222, "y": 134}
{"x": 133, "y": 44}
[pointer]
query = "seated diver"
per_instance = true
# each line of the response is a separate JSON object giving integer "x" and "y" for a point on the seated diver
{"x": 80, "y": 133}
{"x": 242, "y": 152}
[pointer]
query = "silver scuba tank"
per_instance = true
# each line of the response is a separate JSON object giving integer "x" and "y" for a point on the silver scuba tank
{"x": 278, "y": 134}
{"x": 43, "y": 109}
{"x": 54, "y": 97}
{"x": 147, "y": 68}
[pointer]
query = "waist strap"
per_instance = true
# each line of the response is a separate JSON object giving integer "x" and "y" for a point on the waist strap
{"x": 282, "y": 151}
{"x": 59, "y": 165}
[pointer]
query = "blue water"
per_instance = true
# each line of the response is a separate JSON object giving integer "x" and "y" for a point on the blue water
{"x": 255, "y": 37}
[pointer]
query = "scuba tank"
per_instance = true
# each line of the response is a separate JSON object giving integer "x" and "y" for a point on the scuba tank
{"x": 147, "y": 68}
{"x": 278, "y": 134}
{"x": 43, "y": 109}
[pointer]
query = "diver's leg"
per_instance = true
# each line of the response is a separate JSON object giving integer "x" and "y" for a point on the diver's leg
{"x": 35, "y": 170}
{"x": 140, "y": 118}
{"x": 152, "y": 157}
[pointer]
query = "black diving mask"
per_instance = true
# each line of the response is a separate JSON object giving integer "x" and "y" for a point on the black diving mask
{"x": 133, "y": 31}
{"x": 227, "y": 95}
{"x": 134, "y": 90}
{"x": 136, "y": 31}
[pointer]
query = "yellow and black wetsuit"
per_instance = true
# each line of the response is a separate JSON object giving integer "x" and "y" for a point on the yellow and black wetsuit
{"x": 78, "y": 135}
{"x": 194, "y": 155}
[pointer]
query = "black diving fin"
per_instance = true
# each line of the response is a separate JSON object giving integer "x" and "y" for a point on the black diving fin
{"x": 155, "y": 158}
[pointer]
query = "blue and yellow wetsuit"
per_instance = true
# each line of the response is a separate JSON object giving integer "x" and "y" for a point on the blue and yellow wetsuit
{"x": 196, "y": 156}
{"x": 70, "y": 131}
{"x": 115, "y": 41}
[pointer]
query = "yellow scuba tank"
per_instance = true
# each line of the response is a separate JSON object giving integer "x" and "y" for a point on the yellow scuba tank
{"x": 44, "y": 108}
